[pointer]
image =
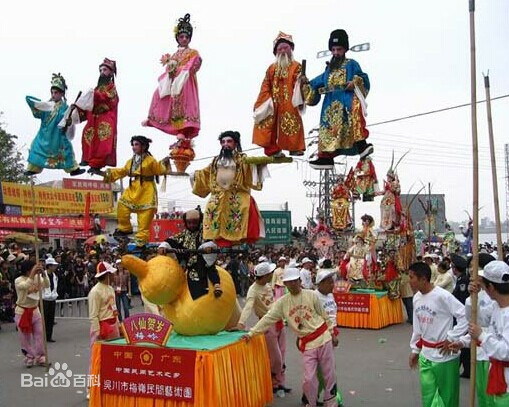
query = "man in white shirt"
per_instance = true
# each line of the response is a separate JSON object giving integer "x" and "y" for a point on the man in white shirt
{"x": 49, "y": 297}
{"x": 433, "y": 333}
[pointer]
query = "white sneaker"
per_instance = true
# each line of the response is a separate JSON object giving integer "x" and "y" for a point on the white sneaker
{"x": 280, "y": 393}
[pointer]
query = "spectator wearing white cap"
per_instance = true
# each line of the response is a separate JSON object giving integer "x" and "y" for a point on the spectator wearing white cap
{"x": 260, "y": 298}
{"x": 277, "y": 278}
{"x": 325, "y": 285}
{"x": 306, "y": 273}
{"x": 49, "y": 297}
{"x": 495, "y": 339}
{"x": 306, "y": 317}
{"x": 428, "y": 259}
{"x": 163, "y": 249}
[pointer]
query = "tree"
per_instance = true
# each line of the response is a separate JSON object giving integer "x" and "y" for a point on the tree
{"x": 11, "y": 160}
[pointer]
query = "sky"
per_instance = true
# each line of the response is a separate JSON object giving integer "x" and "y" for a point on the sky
{"x": 419, "y": 61}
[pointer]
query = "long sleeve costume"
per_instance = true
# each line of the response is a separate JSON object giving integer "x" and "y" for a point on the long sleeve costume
{"x": 50, "y": 148}
{"x": 342, "y": 122}
{"x": 278, "y": 123}
{"x": 140, "y": 196}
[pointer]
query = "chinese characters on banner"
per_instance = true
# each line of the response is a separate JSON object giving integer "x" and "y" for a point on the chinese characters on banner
{"x": 88, "y": 184}
{"x": 50, "y": 201}
{"x": 278, "y": 227}
{"x": 49, "y": 222}
{"x": 162, "y": 229}
{"x": 348, "y": 302}
{"x": 139, "y": 371}
{"x": 146, "y": 328}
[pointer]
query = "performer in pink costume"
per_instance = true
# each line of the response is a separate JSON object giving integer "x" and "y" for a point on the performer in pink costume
{"x": 175, "y": 105}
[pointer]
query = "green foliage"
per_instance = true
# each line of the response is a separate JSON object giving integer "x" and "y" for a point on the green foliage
{"x": 11, "y": 161}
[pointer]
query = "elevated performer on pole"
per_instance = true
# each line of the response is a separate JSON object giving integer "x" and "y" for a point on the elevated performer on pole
{"x": 342, "y": 125}
{"x": 52, "y": 147}
{"x": 278, "y": 123}
{"x": 231, "y": 215}
{"x": 99, "y": 108}
{"x": 140, "y": 197}
{"x": 175, "y": 107}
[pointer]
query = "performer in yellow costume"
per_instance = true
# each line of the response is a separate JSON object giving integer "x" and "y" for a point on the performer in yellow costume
{"x": 141, "y": 195}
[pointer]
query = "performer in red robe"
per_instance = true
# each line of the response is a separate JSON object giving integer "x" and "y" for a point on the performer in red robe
{"x": 99, "y": 108}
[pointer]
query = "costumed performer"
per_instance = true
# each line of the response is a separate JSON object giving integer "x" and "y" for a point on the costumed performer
{"x": 449, "y": 245}
{"x": 354, "y": 264}
{"x": 342, "y": 125}
{"x": 390, "y": 206}
{"x": 259, "y": 299}
{"x": 325, "y": 286}
{"x": 340, "y": 206}
{"x": 306, "y": 317}
{"x": 99, "y": 108}
{"x": 175, "y": 105}
{"x": 27, "y": 316}
{"x": 277, "y": 111}
{"x": 51, "y": 147}
{"x": 102, "y": 309}
{"x": 231, "y": 215}
{"x": 434, "y": 312}
{"x": 140, "y": 197}
{"x": 197, "y": 270}
{"x": 365, "y": 180}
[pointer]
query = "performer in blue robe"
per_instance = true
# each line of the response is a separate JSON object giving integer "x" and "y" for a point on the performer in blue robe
{"x": 51, "y": 147}
{"x": 342, "y": 125}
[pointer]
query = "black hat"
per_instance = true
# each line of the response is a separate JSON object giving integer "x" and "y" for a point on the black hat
{"x": 338, "y": 38}
{"x": 184, "y": 26}
{"x": 459, "y": 261}
{"x": 144, "y": 141}
{"x": 234, "y": 135}
{"x": 485, "y": 258}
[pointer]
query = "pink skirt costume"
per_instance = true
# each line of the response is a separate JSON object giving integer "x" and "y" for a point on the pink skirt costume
{"x": 175, "y": 107}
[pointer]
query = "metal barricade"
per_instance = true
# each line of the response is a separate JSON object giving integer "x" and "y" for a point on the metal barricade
{"x": 72, "y": 308}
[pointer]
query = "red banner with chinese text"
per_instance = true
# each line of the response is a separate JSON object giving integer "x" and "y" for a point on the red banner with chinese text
{"x": 348, "y": 302}
{"x": 47, "y": 222}
{"x": 162, "y": 229}
{"x": 146, "y": 327}
{"x": 139, "y": 371}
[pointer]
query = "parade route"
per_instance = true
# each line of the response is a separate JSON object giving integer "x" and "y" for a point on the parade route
{"x": 372, "y": 367}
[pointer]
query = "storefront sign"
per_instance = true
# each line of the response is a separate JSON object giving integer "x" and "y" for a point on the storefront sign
{"x": 146, "y": 328}
{"x": 50, "y": 201}
{"x": 348, "y": 302}
{"x": 140, "y": 371}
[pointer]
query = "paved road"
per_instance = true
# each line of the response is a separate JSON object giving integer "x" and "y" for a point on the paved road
{"x": 371, "y": 367}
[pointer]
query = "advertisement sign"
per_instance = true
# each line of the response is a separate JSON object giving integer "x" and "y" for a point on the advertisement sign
{"x": 50, "y": 201}
{"x": 348, "y": 302}
{"x": 140, "y": 371}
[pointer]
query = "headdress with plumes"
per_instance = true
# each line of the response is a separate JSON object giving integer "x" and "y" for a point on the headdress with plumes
{"x": 58, "y": 81}
{"x": 392, "y": 170}
{"x": 184, "y": 26}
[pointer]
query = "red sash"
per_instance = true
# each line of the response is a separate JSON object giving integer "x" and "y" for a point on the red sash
{"x": 496, "y": 378}
{"x": 423, "y": 342}
{"x": 280, "y": 325}
{"x": 302, "y": 342}
{"x": 25, "y": 322}
{"x": 107, "y": 328}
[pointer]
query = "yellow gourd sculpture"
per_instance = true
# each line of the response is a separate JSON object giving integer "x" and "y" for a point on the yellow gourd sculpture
{"x": 163, "y": 282}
